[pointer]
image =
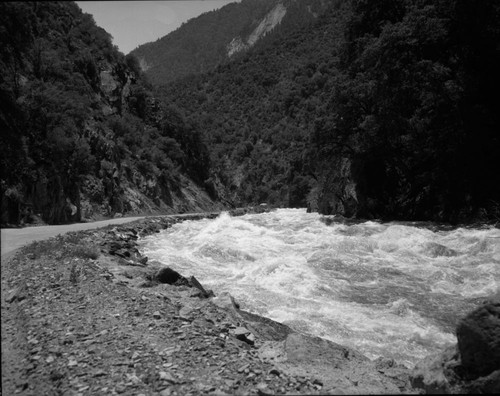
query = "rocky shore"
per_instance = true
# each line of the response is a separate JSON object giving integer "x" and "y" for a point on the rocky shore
{"x": 86, "y": 314}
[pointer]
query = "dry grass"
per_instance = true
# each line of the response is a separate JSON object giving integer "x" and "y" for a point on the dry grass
{"x": 71, "y": 245}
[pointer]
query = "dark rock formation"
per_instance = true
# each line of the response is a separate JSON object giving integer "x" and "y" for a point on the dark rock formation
{"x": 337, "y": 191}
{"x": 473, "y": 365}
{"x": 478, "y": 337}
{"x": 170, "y": 276}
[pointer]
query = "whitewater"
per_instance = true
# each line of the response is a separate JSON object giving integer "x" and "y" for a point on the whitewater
{"x": 395, "y": 290}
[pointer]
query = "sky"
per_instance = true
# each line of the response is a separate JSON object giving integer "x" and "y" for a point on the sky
{"x": 132, "y": 23}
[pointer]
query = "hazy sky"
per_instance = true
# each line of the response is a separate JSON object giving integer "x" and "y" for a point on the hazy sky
{"x": 132, "y": 23}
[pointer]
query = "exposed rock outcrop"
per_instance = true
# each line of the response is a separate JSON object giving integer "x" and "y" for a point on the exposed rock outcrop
{"x": 216, "y": 37}
{"x": 268, "y": 23}
{"x": 337, "y": 191}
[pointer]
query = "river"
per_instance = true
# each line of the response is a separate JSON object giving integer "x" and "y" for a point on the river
{"x": 386, "y": 289}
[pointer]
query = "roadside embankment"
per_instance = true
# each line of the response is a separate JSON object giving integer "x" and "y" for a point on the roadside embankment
{"x": 14, "y": 238}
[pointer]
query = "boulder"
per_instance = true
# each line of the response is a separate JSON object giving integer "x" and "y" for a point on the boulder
{"x": 478, "y": 337}
{"x": 170, "y": 276}
{"x": 471, "y": 366}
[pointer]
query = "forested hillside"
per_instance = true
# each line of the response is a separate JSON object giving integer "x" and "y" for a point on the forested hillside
{"x": 81, "y": 134}
{"x": 369, "y": 109}
{"x": 379, "y": 110}
{"x": 216, "y": 37}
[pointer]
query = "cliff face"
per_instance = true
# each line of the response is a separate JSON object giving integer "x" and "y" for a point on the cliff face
{"x": 82, "y": 135}
{"x": 336, "y": 191}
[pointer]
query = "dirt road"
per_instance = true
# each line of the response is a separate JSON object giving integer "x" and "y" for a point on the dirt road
{"x": 14, "y": 238}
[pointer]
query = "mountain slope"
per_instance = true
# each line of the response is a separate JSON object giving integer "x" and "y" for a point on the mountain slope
{"x": 215, "y": 37}
{"x": 376, "y": 110}
{"x": 82, "y": 136}
{"x": 258, "y": 112}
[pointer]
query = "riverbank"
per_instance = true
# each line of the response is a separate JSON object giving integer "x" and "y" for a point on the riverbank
{"x": 86, "y": 313}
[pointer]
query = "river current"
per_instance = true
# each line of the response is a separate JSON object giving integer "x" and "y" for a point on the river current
{"x": 386, "y": 289}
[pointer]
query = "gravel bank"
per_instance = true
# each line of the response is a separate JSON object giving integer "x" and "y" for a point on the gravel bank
{"x": 86, "y": 314}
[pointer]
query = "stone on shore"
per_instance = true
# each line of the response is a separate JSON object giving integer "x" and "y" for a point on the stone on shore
{"x": 170, "y": 276}
{"x": 243, "y": 334}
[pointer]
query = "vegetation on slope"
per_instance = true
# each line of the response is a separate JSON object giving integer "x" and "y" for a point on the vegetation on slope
{"x": 413, "y": 110}
{"x": 203, "y": 43}
{"x": 380, "y": 109}
{"x": 376, "y": 110}
{"x": 258, "y": 112}
{"x": 81, "y": 133}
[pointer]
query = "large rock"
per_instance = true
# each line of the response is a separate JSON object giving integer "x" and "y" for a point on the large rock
{"x": 170, "y": 276}
{"x": 471, "y": 366}
{"x": 478, "y": 337}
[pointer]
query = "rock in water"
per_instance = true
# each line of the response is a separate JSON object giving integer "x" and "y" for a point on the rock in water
{"x": 478, "y": 337}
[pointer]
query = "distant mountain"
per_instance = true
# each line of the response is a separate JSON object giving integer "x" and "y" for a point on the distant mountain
{"x": 82, "y": 136}
{"x": 215, "y": 37}
{"x": 377, "y": 109}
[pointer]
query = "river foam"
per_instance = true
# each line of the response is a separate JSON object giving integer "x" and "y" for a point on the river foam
{"x": 393, "y": 290}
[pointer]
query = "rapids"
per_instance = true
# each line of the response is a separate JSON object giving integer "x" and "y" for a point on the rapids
{"x": 386, "y": 289}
